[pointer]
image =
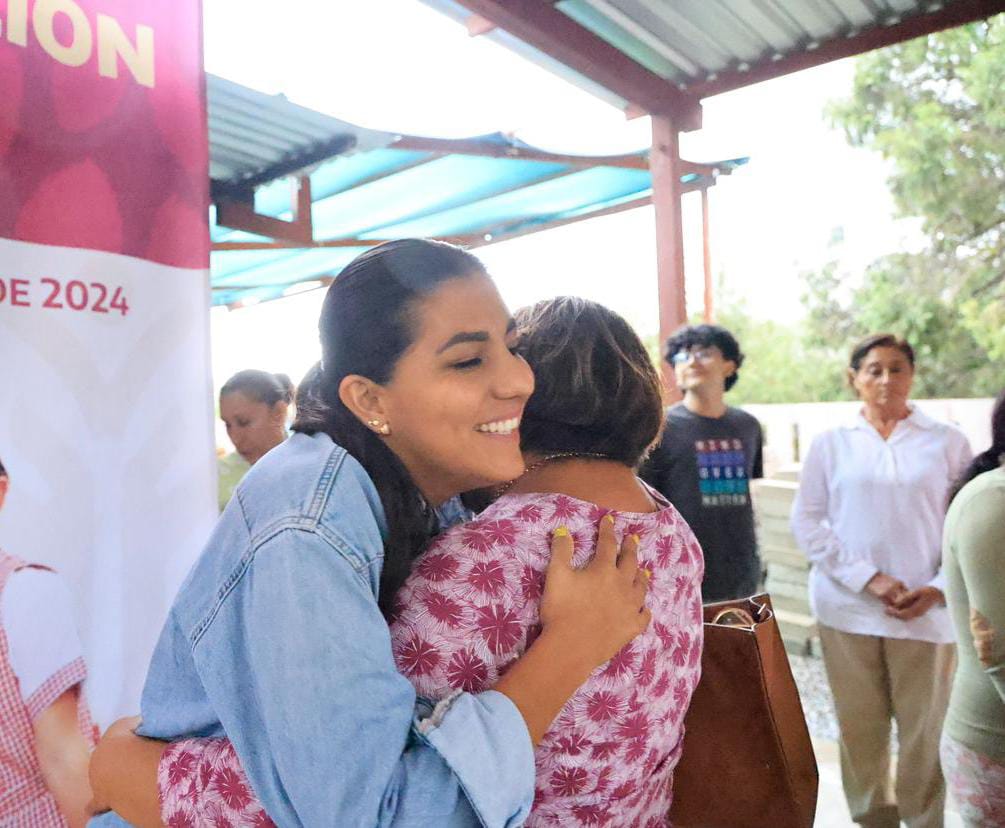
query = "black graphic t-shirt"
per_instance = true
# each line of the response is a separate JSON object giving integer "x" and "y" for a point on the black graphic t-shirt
{"x": 703, "y": 466}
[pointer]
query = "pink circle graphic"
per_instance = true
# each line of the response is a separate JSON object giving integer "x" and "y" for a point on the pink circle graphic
{"x": 73, "y": 207}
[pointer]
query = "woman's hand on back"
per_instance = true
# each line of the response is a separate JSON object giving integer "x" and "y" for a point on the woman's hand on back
{"x": 598, "y": 608}
{"x": 587, "y": 615}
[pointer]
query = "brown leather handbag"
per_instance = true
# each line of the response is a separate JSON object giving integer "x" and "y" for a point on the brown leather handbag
{"x": 747, "y": 760}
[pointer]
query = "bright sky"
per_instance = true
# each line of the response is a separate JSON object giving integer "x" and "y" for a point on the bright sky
{"x": 400, "y": 66}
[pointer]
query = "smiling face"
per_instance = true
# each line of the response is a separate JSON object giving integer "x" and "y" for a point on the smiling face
{"x": 702, "y": 368}
{"x": 457, "y": 393}
{"x": 253, "y": 427}
{"x": 883, "y": 379}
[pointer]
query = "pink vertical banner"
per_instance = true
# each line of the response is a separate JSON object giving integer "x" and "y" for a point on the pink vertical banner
{"x": 105, "y": 409}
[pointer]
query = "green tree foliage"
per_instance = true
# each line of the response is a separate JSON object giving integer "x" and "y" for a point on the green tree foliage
{"x": 912, "y": 295}
{"x": 935, "y": 108}
{"x": 780, "y": 364}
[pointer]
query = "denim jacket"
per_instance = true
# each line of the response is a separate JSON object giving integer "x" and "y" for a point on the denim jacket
{"x": 275, "y": 640}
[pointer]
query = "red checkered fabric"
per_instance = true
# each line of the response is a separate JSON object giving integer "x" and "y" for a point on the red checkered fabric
{"x": 25, "y": 802}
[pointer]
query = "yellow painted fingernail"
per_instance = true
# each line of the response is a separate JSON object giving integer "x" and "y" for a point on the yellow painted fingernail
{"x": 648, "y": 574}
{"x": 609, "y": 518}
{"x": 562, "y": 532}
{"x": 636, "y": 539}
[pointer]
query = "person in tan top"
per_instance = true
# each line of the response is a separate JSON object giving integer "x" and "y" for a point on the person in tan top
{"x": 973, "y": 740}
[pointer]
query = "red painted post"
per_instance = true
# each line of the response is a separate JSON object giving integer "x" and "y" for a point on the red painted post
{"x": 665, "y": 165}
{"x": 707, "y": 259}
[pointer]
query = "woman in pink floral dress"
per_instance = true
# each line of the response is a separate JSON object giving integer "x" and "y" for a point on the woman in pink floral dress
{"x": 471, "y": 605}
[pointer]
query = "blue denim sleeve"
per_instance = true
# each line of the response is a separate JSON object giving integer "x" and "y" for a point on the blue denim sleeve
{"x": 327, "y": 732}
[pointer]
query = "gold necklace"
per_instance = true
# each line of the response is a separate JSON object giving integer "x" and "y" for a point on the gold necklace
{"x": 558, "y": 455}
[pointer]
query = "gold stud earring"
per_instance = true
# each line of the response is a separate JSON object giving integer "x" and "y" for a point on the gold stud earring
{"x": 379, "y": 427}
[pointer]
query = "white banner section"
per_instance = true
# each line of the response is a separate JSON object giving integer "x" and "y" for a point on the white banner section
{"x": 106, "y": 433}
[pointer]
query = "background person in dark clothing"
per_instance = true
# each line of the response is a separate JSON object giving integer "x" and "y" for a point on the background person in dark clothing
{"x": 706, "y": 458}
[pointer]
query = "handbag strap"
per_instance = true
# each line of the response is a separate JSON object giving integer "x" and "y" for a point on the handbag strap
{"x": 733, "y": 617}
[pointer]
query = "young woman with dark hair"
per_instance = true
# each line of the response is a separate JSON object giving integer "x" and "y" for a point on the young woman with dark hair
{"x": 253, "y": 407}
{"x": 973, "y": 553}
{"x": 278, "y": 637}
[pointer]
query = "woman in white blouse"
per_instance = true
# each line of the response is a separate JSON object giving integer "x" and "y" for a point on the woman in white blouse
{"x": 869, "y": 513}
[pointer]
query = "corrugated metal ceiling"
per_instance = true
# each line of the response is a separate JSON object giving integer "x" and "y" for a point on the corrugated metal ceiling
{"x": 691, "y": 43}
{"x": 686, "y": 41}
{"x": 255, "y": 138}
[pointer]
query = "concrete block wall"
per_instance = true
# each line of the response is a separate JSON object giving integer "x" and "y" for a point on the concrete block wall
{"x": 787, "y": 567}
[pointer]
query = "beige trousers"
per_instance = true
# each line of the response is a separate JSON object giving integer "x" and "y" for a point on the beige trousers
{"x": 875, "y": 680}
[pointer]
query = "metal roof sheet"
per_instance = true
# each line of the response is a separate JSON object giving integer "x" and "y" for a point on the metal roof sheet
{"x": 701, "y": 47}
{"x": 254, "y": 138}
{"x": 688, "y": 41}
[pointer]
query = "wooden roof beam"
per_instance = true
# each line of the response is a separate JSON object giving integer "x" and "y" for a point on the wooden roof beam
{"x": 541, "y": 25}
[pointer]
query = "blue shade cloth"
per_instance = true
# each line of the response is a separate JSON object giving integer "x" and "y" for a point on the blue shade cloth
{"x": 376, "y": 191}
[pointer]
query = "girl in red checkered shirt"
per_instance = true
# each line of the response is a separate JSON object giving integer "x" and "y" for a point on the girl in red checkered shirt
{"x": 46, "y": 734}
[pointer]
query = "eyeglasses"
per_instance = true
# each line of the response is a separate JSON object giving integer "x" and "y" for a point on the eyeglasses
{"x": 703, "y": 355}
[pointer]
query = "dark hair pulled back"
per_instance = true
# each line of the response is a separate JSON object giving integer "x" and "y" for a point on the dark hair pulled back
{"x": 596, "y": 388}
{"x": 367, "y": 323}
{"x": 260, "y": 386}
{"x": 860, "y": 350}
{"x": 992, "y": 458}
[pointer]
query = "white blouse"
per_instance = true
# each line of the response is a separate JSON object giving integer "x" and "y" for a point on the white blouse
{"x": 868, "y": 505}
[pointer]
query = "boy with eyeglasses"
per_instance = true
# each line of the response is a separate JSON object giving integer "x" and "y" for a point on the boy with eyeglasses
{"x": 706, "y": 458}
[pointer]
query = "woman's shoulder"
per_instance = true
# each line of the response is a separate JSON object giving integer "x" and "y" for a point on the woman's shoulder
{"x": 985, "y": 493}
{"x": 520, "y": 526}
{"x": 975, "y": 523}
{"x": 309, "y": 483}
{"x": 516, "y": 528}
{"x": 830, "y": 444}
{"x": 548, "y": 510}
{"x": 299, "y": 473}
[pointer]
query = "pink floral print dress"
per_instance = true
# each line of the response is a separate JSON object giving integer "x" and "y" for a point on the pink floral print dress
{"x": 977, "y": 783}
{"x": 468, "y": 611}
